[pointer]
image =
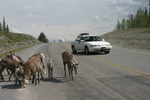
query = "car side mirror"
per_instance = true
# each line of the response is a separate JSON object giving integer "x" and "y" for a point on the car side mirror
{"x": 81, "y": 41}
{"x": 103, "y": 39}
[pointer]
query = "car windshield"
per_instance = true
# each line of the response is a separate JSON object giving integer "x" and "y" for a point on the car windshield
{"x": 92, "y": 38}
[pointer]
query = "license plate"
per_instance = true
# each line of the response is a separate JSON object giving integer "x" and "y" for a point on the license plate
{"x": 103, "y": 48}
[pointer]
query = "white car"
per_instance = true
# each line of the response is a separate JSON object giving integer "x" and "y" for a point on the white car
{"x": 90, "y": 43}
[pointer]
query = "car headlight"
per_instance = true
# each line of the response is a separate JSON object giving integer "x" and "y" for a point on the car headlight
{"x": 94, "y": 45}
{"x": 108, "y": 45}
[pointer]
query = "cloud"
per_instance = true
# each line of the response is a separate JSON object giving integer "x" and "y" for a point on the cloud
{"x": 15, "y": 30}
{"x": 38, "y": 5}
{"x": 122, "y": 2}
{"x": 96, "y": 17}
{"x": 30, "y": 15}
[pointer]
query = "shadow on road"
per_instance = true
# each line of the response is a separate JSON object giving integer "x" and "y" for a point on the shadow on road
{"x": 11, "y": 86}
{"x": 90, "y": 54}
{"x": 57, "y": 80}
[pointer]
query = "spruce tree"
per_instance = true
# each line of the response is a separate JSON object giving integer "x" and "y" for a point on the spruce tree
{"x": 0, "y": 27}
{"x": 43, "y": 38}
{"x": 7, "y": 29}
{"x": 4, "y": 25}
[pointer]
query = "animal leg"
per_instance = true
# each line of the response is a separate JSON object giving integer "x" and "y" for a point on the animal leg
{"x": 11, "y": 75}
{"x": 8, "y": 71}
{"x": 38, "y": 77}
{"x": 48, "y": 73}
{"x": 16, "y": 81}
{"x": 35, "y": 79}
{"x": 65, "y": 69}
{"x": 72, "y": 74}
{"x": 52, "y": 73}
{"x": 69, "y": 70}
{"x": 33, "y": 74}
{"x": 41, "y": 75}
{"x": 1, "y": 70}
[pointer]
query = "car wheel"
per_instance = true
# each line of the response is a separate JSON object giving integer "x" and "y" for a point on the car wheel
{"x": 86, "y": 50}
{"x": 107, "y": 52}
{"x": 73, "y": 49}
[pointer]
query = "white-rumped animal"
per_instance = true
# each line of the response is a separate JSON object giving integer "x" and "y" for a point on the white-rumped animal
{"x": 41, "y": 57}
{"x": 69, "y": 59}
{"x": 8, "y": 63}
{"x": 50, "y": 68}
{"x": 31, "y": 67}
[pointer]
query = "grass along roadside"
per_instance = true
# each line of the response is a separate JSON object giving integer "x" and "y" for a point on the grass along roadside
{"x": 136, "y": 38}
{"x": 16, "y": 50}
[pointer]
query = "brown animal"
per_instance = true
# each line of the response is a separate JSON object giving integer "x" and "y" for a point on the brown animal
{"x": 7, "y": 63}
{"x": 41, "y": 57}
{"x": 15, "y": 57}
{"x": 50, "y": 68}
{"x": 31, "y": 67}
{"x": 69, "y": 59}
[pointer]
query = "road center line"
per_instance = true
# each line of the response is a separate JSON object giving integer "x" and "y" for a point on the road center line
{"x": 121, "y": 67}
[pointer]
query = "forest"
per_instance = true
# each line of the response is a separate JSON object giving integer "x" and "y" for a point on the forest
{"x": 140, "y": 20}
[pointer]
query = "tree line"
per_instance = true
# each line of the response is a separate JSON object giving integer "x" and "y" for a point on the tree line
{"x": 140, "y": 20}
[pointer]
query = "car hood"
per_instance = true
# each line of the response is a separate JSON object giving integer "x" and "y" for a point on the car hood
{"x": 97, "y": 43}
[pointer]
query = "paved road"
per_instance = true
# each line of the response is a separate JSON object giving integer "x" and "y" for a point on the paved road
{"x": 121, "y": 75}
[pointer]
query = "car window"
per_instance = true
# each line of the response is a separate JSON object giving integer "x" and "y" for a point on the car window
{"x": 77, "y": 39}
{"x": 92, "y": 38}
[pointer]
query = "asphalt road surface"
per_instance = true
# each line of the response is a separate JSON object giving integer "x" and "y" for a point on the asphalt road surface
{"x": 121, "y": 75}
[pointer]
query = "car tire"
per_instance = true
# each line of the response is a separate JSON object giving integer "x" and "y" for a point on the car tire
{"x": 74, "y": 49}
{"x": 86, "y": 50}
{"x": 107, "y": 52}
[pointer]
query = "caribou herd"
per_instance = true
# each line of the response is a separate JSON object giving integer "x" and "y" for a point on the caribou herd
{"x": 34, "y": 67}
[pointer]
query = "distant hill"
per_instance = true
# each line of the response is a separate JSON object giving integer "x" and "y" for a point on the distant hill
{"x": 136, "y": 38}
{"x": 12, "y": 41}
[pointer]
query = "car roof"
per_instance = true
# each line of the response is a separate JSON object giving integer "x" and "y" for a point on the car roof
{"x": 88, "y": 35}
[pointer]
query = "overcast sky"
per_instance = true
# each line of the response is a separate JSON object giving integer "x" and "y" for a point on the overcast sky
{"x": 66, "y": 18}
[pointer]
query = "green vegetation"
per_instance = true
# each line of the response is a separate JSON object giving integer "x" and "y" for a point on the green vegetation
{"x": 43, "y": 38}
{"x": 136, "y": 38}
{"x": 133, "y": 32}
{"x": 140, "y": 20}
{"x": 13, "y": 41}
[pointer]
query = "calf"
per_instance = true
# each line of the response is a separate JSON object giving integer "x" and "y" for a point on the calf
{"x": 18, "y": 74}
{"x": 50, "y": 68}
{"x": 69, "y": 59}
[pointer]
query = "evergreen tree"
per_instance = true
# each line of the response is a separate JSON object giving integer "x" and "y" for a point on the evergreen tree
{"x": 7, "y": 29}
{"x": 140, "y": 20}
{"x": 123, "y": 25}
{"x": 118, "y": 25}
{"x": 43, "y": 38}
{"x": 4, "y": 24}
{"x": 0, "y": 27}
